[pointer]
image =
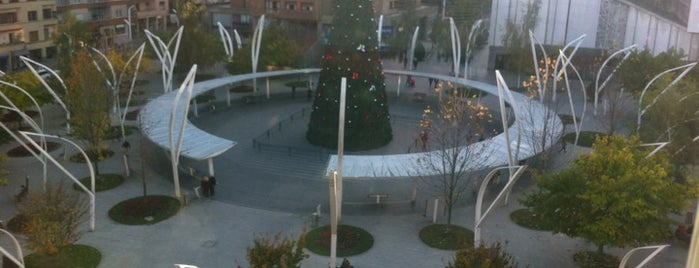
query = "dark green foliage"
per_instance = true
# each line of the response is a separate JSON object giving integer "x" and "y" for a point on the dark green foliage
{"x": 281, "y": 252}
{"x": 71, "y": 256}
{"x": 447, "y": 236}
{"x": 616, "y": 195}
{"x": 352, "y": 52}
{"x": 277, "y": 49}
{"x": 144, "y": 210}
{"x": 483, "y": 257}
{"x": 199, "y": 45}
{"x": 592, "y": 259}
{"x": 528, "y": 219}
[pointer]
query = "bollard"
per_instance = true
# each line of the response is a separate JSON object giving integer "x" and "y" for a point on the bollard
{"x": 315, "y": 219}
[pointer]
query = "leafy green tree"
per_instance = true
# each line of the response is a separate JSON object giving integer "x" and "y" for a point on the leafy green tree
{"x": 89, "y": 101}
{"x": 278, "y": 251}
{"x": 27, "y": 81}
{"x": 615, "y": 195}
{"x": 72, "y": 34}
{"x": 352, "y": 52}
{"x": 277, "y": 49}
{"x": 54, "y": 218}
{"x": 199, "y": 44}
{"x": 516, "y": 40}
{"x": 483, "y": 256}
{"x": 673, "y": 117}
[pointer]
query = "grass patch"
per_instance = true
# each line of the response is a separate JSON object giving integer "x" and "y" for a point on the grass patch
{"x": 593, "y": 259}
{"x": 525, "y": 218}
{"x": 144, "y": 210}
{"x": 567, "y": 119}
{"x": 115, "y": 132}
{"x": 103, "y": 182}
{"x": 72, "y": 256}
{"x": 78, "y": 157}
{"x": 20, "y": 151}
{"x": 447, "y": 236}
{"x": 586, "y": 138}
{"x": 350, "y": 240}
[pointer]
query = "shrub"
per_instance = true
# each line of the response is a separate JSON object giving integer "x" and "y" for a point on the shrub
{"x": 483, "y": 257}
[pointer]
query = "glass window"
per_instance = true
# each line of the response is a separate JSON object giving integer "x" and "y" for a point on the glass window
{"x": 32, "y": 15}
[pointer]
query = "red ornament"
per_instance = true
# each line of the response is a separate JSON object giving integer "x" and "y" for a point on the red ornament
{"x": 355, "y": 76}
{"x": 329, "y": 56}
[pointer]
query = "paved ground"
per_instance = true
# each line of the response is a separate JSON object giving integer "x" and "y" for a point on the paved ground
{"x": 256, "y": 198}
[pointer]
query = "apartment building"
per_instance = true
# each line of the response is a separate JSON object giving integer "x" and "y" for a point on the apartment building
{"x": 118, "y": 22}
{"x": 26, "y": 29}
{"x": 306, "y": 20}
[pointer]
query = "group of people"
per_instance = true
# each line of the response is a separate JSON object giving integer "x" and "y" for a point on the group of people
{"x": 207, "y": 186}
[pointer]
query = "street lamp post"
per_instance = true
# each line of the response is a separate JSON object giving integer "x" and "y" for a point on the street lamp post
{"x": 128, "y": 22}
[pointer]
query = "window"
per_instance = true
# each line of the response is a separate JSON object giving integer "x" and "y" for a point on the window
{"x": 34, "y": 36}
{"x": 32, "y": 15}
{"x": 47, "y": 13}
{"x": 161, "y": 5}
{"x": 290, "y": 5}
{"x": 307, "y": 7}
{"x": 273, "y": 5}
{"x": 9, "y": 17}
{"x": 245, "y": 19}
{"x": 48, "y": 32}
{"x": 119, "y": 13}
{"x": 393, "y": 5}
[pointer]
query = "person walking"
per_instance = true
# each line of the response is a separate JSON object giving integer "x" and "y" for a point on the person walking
{"x": 563, "y": 146}
{"x": 212, "y": 184}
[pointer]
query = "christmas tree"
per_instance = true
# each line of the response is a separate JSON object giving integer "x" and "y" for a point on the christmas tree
{"x": 351, "y": 52}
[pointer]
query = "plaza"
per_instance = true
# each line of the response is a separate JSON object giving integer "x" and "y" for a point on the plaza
{"x": 268, "y": 192}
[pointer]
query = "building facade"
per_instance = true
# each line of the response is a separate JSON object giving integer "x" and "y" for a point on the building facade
{"x": 607, "y": 24}
{"x": 26, "y": 29}
{"x": 118, "y": 22}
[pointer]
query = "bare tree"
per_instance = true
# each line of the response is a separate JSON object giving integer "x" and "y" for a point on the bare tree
{"x": 449, "y": 135}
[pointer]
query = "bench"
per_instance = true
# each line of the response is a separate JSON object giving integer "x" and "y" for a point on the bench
{"x": 377, "y": 197}
{"x": 419, "y": 96}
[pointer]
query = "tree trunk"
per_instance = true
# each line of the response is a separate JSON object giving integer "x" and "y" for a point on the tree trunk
{"x": 600, "y": 249}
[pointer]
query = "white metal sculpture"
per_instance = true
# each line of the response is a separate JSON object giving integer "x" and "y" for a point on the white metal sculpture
{"x": 37, "y": 127}
{"x": 167, "y": 58}
{"x": 480, "y": 216}
{"x": 138, "y": 54}
{"x": 655, "y": 252}
{"x": 334, "y": 218}
{"x": 379, "y": 31}
{"x": 226, "y": 40}
{"x": 180, "y": 105}
{"x": 476, "y": 28}
{"x": 643, "y": 109}
{"x": 31, "y": 65}
{"x": 411, "y": 52}
{"x": 598, "y": 87}
{"x": 90, "y": 192}
{"x": 504, "y": 92}
{"x": 255, "y": 55}
{"x": 18, "y": 259}
{"x": 455, "y": 46}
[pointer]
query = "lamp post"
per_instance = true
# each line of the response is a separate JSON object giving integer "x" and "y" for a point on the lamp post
{"x": 128, "y": 21}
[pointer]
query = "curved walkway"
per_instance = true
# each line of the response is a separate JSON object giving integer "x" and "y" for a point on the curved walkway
{"x": 199, "y": 145}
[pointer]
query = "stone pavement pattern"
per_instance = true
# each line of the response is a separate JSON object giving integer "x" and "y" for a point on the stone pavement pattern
{"x": 216, "y": 232}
